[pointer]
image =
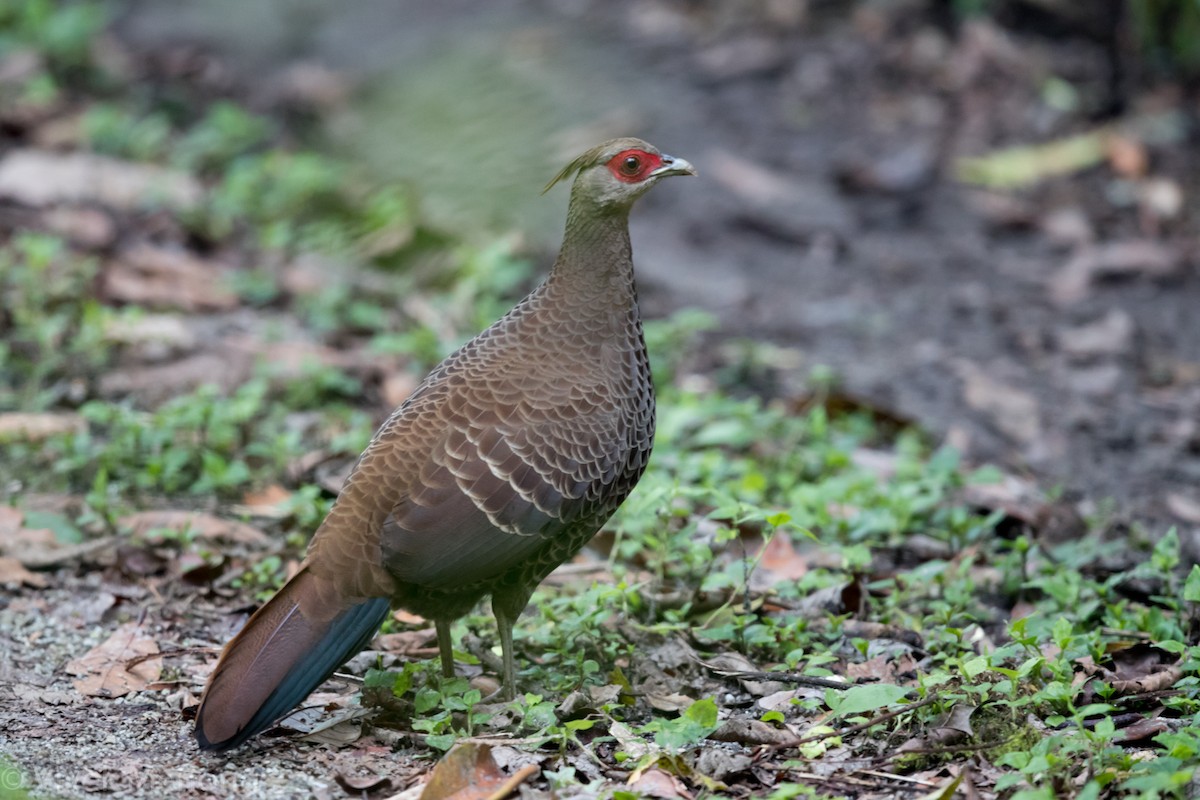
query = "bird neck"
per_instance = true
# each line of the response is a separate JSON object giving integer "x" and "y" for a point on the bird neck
{"x": 595, "y": 264}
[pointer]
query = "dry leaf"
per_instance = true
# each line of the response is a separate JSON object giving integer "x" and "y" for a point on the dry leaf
{"x": 115, "y": 667}
{"x": 1144, "y": 730}
{"x": 86, "y": 227}
{"x": 154, "y": 336}
{"x": 164, "y": 277}
{"x": 668, "y": 702}
{"x": 159, "y": 382}
{"x": 269, "y": 503}
{"x": 206, "y": 526}
{"x": 1012, "y": 411}
{"x": 415, "y": 644}
{"x": 780, "y": 562}
{"x": 1110, "y": 335}
{"x": 751, "y": 732}
{"x": 13, "y": 573}
{"x": 1184, "y": 507}
{"x": 19, "y": 541}
{"x": 27, "y": 427}
{"x": 1125, "y": 259}
{"x": 884, "y": 668}
{"x": 40, "y": 178}
{"x": 361, "y": 785}
{"x": 1126, "y": 155}
{"x": 468, "y": 772}
{"x": 269, "y": 496}
{"x": 656, "y": 782}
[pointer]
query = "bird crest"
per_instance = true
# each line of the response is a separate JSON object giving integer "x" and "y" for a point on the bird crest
{"x": 595, "y": 156}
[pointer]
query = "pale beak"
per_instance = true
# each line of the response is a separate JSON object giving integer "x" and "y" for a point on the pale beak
{"x": 673, "y": 166}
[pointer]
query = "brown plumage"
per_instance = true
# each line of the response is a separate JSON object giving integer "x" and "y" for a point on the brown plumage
{"x": 502, "y": 464}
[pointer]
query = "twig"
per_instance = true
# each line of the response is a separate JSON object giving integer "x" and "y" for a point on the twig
{"x": 862, "y": 726}
{"x": 786, "y": 677}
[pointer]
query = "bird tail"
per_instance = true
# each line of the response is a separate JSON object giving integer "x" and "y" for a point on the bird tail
{"x": 286, "y": 650}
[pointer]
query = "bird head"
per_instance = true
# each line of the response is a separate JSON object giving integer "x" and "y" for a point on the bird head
{"x": 614, "y": 174}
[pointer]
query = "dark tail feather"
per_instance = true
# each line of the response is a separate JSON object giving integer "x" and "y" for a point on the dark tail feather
{"x": 279, "y": 658}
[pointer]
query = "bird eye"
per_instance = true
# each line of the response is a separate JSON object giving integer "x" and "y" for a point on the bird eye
{"x": 631, "y": 165}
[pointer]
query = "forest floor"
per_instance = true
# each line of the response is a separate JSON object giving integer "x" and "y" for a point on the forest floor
{"x": 819, "y": 590}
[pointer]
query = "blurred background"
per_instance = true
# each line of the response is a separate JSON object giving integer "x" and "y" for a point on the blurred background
{"x": 975, "y": 215}
{"x": 978, "y": 214}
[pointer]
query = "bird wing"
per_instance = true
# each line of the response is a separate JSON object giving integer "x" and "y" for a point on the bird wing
{"x": 504, "y": 445}
{"x": 496, "y": 486}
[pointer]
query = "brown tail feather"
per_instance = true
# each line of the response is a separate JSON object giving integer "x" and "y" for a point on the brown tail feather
{"x": 288, "y": 647}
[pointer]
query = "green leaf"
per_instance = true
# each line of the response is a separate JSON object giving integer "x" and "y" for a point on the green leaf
{"x": 1191, "y": 587}
{"x": 63, "y": 529}
{"x": 703, "y": 713}
{"x": 974, "y": 667}
{"x": 441, "y": 741}
{"x": 426, "y": 699}
{"x": 540, "y": 716}
{"x": 860, "y": 699}
{"x": 697, "y": 722}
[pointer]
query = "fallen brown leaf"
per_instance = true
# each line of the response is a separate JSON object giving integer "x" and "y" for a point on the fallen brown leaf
{"x": 159, "y": 382}
{"x": 42, "y": 178}
{"x": 1184, "y": 507}
{"x": 1111, "y": 335}
{"x": 1126, "y": 155}
{"x": 884, "y": 668}
{"x": 1143, "y": 730}
{"x": 268, "y": 496}
{"x": 1126, "y": 259}
{"x": 1012, "y": 411}
{"x": 268, "y": 503}
{"x": 418, "y": 644}
{"x": 14, "y": 573}
{"x": 103, "y": 669}
{"x": 468, "y": 772}
{"x": 751, "y": 732}
{"x": 657, "y": 782}
{"x": 204, "y": 525}
{"x": 29, "y": 427}
{"x": 668, "y": 702}
{"x": 780, "y": 559}
{"x": 86, "y": 227}
{"x": 164, "y": 277}
{"x": 363, "y": 784}
{"x": 954, "y": 727}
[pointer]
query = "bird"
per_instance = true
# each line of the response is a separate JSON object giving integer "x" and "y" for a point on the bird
{"x": 502, "y": 464}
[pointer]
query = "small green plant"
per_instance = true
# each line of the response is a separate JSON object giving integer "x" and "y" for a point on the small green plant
{"x": 222, "y": 135}
{"x": 52, "y": 330}
{"x": 196, "y": 444}
{"x": 114, "y": 131}
{"x": 62, "y": 32}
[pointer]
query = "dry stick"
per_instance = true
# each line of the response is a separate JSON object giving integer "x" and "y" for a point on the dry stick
{"x": 514, "y": 780}
{"x": 862, "y": 726}
{"x": 183, "y": 651}
{"x": 787, "y": 677}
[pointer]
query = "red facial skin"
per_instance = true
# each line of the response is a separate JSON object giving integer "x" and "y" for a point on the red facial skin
{"x": 633, "y": 166}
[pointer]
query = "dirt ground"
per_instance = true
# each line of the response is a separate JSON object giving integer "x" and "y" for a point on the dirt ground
{"x": 1052, "y": 329}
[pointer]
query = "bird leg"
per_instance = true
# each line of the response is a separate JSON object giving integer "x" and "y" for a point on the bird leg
{"x": 445, "y": 647}
{"x": 508, "y": 682}
{"x": 507, "y": 605}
